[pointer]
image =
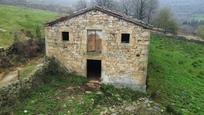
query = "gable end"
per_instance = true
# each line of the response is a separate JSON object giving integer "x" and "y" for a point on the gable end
{"x": 103, "y": 10}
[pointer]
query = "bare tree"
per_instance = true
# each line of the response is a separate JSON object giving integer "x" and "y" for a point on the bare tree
{"x": 81, "y": 4}
{"x": 125, "y": 6}
{"x": 152, "y": 6}
{"x": 105, "y": 3}
{"x": 139, "y": 9}
{"x": 143, "y": 9}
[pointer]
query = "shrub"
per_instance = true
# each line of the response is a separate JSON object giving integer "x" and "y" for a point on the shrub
{"x": 27, "y": 48}
{"x": 38, "y": 31}
{"x": 29, "y": 34}
{"x": 5, "y": 62}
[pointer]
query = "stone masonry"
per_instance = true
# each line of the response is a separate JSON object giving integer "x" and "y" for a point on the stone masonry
{"x": 122, "y": 64}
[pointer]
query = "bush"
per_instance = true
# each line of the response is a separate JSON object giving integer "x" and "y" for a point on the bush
{"x": 5, "y": 62}
{"x": 166, "y": 21}
{"x": 28, "y": 48}
{"x": 29, "y": 34}
{"x": 170, "y": 109}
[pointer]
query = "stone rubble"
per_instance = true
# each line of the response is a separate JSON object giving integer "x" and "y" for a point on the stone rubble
{"x": 142, "y": 106}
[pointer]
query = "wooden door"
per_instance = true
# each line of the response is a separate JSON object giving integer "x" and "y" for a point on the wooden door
{"x": 94, "y": 41}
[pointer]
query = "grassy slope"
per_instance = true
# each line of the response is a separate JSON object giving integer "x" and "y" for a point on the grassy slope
{"x": 14, "y": 19}
{"x": 176, "y": 74}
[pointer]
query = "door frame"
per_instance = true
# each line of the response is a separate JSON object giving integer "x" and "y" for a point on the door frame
{"x": 100, "y": 67}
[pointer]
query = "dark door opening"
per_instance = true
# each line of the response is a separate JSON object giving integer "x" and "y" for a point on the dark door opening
{"x": 94, "y": 69}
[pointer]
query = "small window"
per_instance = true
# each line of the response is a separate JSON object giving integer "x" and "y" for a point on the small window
{"x": 125, "y": 38}
{"x": 65, "y": 36}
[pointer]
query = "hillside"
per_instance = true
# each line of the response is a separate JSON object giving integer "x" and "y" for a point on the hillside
{"x": 176, "y": 74}
{"x": 184, "y": 9}
{"x": 24, "y": 20}
{"x": 175, "y": 79}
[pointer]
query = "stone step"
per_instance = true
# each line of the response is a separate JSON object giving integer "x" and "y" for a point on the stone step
{"x": 94, "y": 84}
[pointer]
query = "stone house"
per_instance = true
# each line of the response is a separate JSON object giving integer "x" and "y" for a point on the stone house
{"x": 101, "y": 44}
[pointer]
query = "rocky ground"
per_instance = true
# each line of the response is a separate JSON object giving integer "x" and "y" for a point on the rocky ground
{"x": 142, "y": 106}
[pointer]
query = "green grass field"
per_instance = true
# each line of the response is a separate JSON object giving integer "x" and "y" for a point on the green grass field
{"x": 176, "y": 74}
{"x": 15, "y": 19}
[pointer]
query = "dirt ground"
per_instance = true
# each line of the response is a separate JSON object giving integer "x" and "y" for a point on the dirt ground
{"x": 9, "y": 75}
{"x": 6, "y": 78}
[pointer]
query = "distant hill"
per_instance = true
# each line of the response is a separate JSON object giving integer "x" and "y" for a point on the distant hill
{"x": 50, "y": 5}
{"x": 17, "y": 19}
{"x": 184, "y": 9}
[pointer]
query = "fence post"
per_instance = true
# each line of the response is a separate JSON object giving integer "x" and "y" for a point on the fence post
{"x": 18, "y": 74}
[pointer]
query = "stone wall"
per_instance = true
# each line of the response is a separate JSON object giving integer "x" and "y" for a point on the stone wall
{"x": 122, "y": 64}
{"x": 13, "y": 92}
{"x": 3, "y": 52}
{"x": 4, "y": 58}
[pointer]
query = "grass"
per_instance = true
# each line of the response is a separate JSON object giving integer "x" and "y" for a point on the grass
{"x": 28, "y": 68}
{"x": 68, "y": 95}
{"x": 17, "y": 19}
{"x": 176, "y": 74}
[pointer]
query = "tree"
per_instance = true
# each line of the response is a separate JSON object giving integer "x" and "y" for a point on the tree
{"x": 125, "y": 6}
{"x": 165, "y": 20}
{"x": 152, "y": 6}
{"x": 81, "y": 4}
{"x": 139, "y": 7}
{"x": 105, "y": 3}
{"x": 144, "y": 9}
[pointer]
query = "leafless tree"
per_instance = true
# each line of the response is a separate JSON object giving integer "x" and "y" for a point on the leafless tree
{"x": 125, "y": 6}
{"x": 139, "y": 9}
{"x": 105, "y": 3}
{"x": 152, "y": 6}
{"x": 81, "y": 4}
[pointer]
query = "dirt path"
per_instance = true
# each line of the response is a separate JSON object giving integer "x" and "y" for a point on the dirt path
{"x": 6, "y": 79}
{"x": 10, "y": 75}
